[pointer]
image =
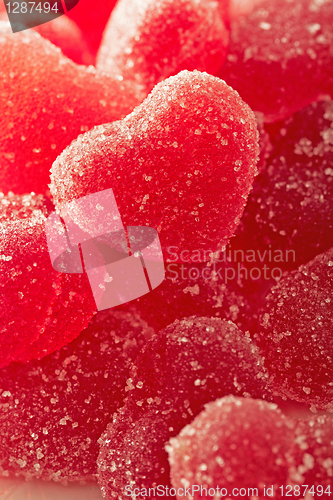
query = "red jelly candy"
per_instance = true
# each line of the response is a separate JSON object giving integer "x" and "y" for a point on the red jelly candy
{"x": 53, "y": 411}
{"x": 235, "y": 445}
{"x": 289, "y": 215}
{"x": 313, "y": 452}
{"x": 141, "y": 46}
{"x": 41, "y": 310}
{"x": 66, "y": 35}
{"x": 92, "y": 19}
{"x": 15, "y": 206}
{"x": 280, "y": 56}
{"x": 46, "y": 102}
{"x": 184, "y": 156}
{"x": 296, "y": 334}
{"x": 188, "y": 364}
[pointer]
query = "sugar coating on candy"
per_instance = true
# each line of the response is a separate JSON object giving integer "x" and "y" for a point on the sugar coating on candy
{"x": 280, "y": 56}
{"x": 233, "y": 443}
{"x": 182, "y": 158}
{"x": 188, "y": 364}
{"x": 313, "y": 452}
{"x": 40, "y": 309}
{"x": 219, "y": 289}
{"x": 290, "y": 209}
{"x": 46, "y": 102}
{"x": 296, "y": 334}
{"x": 142, "y": 47}
{"x": 65, "y": 34}
{"x": 54, "y": 410}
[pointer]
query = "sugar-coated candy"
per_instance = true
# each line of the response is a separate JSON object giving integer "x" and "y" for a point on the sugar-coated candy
{"x": 53, "y": 411}
{"x": 141, "y": 46}
{"x": 280, "y": 56}
{"x": 312, "y": 453}
{"x": 289, "y": 214}
{"x": 65, "y": 34}
{"x": 184, "y": 366}
{"x": 296, "y": 334}
{"x": 92, "y": 19}
{"x": 41, "y": 310}
{"x": 46, "y": 102}
{"x": 233, "y": 443}
{"x": 13, "y": 206}
{"x": 182, "y": 158}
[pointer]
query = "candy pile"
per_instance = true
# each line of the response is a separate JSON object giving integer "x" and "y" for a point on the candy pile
{"x": 218, "y": 382}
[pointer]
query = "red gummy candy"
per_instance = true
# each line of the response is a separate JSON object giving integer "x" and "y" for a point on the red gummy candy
{"x": 53, "y": 411}
{"x": 235, "y": 444}
{"x": 289, "y": 214}
{"x": 188, "y": 364}
{"x": 41, "y": 310}
{"x": 66, "y": 35}
{"x": 220, "y": 289}
{"x": 141, "y": 46}
{"x": 280, "y": 56}
{"x": 15, "y": 206}
{"x": 313, "y": 452}
{"x": 46, "y": 102}
{"x": 296, "y": 334}
{"x": 185, "y": 156}
{"x": 92, "y": 19}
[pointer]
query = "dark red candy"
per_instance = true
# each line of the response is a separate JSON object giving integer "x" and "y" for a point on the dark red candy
{"x": 296, "y": 334}
{"x": 280, "y": 56}
{"x": 234, "y": 444}
{"x": 188, "y": 364}
{"x": 46, "y": 102}
{"x": 289, "y": 215}
{"x": 146, "y": 42}
{"x": 41, "y": 310}
{"x": 53, "y": 411}
{"x": 65, "y": 34}
{"x": 92, "y": 19}
{"x": 185, "y": 156}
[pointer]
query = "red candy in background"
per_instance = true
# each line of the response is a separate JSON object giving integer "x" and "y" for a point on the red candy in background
{"x": 246, "y": 443}
{"x": 188, "y": 364}
{"x": 183, "y": 162}
{"x": 233, "y": 443}
{"x": 221, "y": 289}
{"x": 53, "y": 411}
{"x": 289, "y": 214}
{"x": 65, "y": 34}
{"x": 41, "y": 310}
{"x": 139, "y": 45}
{"x": 313, "y": 452}
{"x": 280, "y": 56}
{"x": 187, "y": 154}
{"x": 15, "y": 206}
{"x": 296, "y": 334}
{"x": 46, "y": 102}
